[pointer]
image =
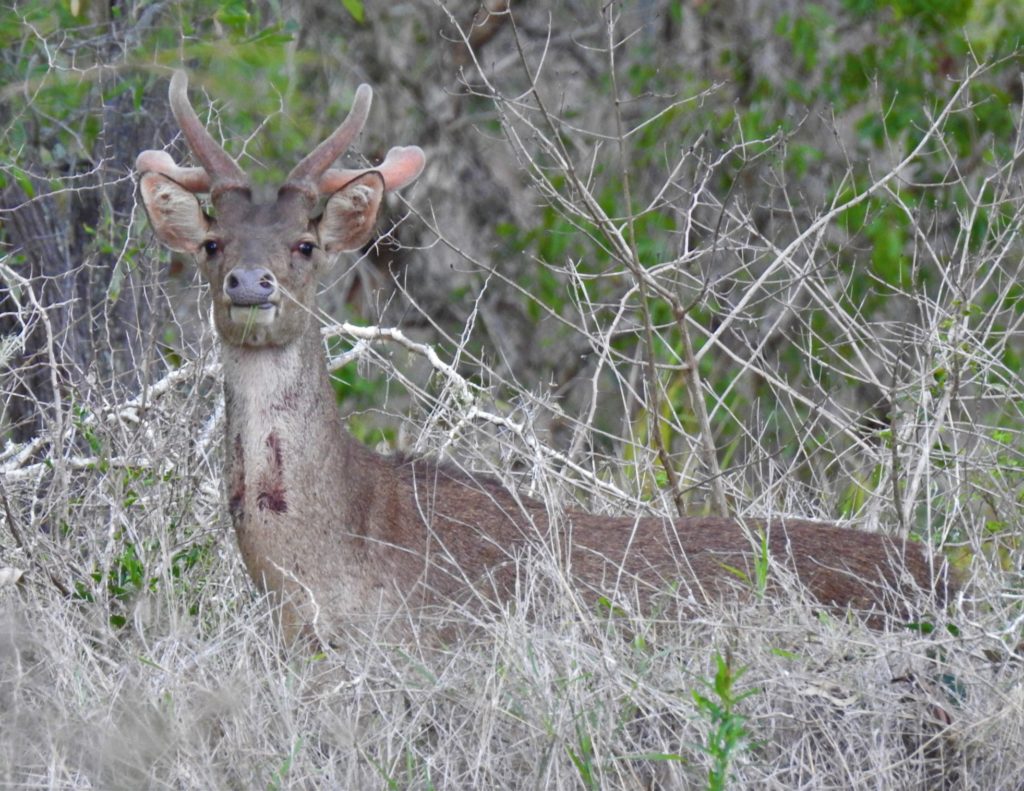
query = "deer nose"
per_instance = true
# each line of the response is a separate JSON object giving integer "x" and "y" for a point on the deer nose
{"x": 255, "y": 286}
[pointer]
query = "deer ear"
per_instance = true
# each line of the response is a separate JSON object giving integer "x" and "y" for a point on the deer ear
{"x": 174, "y": 213}
{"x": 351, "y": 213}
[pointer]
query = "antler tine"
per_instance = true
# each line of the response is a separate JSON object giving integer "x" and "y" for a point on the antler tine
{"x": 307, "y": 173}
{"x": 223, "y": 170}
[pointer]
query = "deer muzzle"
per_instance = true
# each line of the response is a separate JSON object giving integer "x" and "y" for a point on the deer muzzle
{"x": 253, "y": 295}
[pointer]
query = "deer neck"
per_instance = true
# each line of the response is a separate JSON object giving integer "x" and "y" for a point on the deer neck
{"x": 288, "y": 454}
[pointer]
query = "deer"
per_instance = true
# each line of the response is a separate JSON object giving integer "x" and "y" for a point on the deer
{"x": 339, "y": 535}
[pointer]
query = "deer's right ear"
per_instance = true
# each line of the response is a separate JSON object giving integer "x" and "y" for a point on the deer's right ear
{"x": 174, "y": 213}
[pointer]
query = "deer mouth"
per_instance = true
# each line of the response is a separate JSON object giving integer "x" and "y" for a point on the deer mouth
{"x": 249, "y": 315}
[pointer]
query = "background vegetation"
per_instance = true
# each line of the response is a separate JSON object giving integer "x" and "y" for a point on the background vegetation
{"x": 672, "y": 256}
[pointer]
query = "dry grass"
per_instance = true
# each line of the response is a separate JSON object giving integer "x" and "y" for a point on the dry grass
{"x": 174, "y": 677}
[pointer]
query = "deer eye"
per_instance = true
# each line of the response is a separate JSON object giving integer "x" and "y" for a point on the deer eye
{"x": 306, "y": 248}
{"x": 212, "y": 247}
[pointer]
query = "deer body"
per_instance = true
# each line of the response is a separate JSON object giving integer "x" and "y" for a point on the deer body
{"x": 343, "y": 535}
{"x": 346, "y": 536}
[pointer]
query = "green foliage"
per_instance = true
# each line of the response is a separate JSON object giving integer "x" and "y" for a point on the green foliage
{"x": 729, "y": 735}
{"x": 171, "y": 562}
{"x": 414, "y": 772}
{"x": 359, "y": 393}
{"x": 225, "y": 42}
{"x": 135, "y": 570}
{"x": 279, "y": 778}
{"x": 582, "y": 756}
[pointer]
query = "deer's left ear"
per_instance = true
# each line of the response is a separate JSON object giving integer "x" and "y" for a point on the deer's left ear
{"x": 351, "y": 213}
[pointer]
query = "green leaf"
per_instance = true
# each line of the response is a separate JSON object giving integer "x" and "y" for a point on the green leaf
{"x": 25, "y": 182}
{"x": 355, "y": 8}
{"x": 116, "y": 281}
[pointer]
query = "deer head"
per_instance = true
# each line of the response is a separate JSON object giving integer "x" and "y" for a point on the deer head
{"x": 262, "y": 259}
